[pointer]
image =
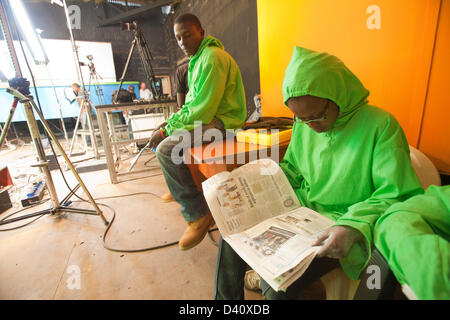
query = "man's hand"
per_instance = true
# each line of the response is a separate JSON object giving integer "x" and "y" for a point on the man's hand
{"x": 156, "y": 139}
{"x": 338, "y": 241}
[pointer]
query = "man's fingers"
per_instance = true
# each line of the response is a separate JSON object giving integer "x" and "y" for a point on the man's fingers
{"x": 325, "y": 249}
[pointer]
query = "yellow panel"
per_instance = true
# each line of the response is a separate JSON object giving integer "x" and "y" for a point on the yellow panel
{"x": 435, "y": 136}
{"x": 265, "y": 137}
{"x": 393, "y": 62}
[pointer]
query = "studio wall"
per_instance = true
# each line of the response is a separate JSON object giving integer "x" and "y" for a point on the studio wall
{"x": 396, "y": 47}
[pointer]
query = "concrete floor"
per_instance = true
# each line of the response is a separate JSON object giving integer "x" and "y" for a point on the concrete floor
{"x": 37, "y": 261}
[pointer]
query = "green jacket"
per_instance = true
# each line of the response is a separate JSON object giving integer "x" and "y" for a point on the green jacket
{"x": 414, "y": 237}
{"x": 215, "y": 90}
{"x": 359, "y": 168}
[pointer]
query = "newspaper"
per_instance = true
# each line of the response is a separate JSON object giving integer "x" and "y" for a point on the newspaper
{"x": 260, "y": 216}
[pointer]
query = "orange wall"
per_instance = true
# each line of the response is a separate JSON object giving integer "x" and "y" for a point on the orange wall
{"x": 393, "y": 62}
{"x": 435, "y": 137}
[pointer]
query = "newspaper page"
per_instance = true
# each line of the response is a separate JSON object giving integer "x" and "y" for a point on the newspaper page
{"x": 259, "y": 215}
{"x": 280, "y": 248}
{"x": 250, "y": 194}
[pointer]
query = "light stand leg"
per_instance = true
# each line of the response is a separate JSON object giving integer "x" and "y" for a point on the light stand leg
{"x": 8, "y": 122}
{"x": 34, "y": 131}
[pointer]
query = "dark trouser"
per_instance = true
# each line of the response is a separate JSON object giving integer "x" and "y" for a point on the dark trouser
{"x": 230, "y": 272}
{"x": 178, "y": 177}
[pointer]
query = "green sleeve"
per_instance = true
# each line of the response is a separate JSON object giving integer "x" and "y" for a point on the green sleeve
{"x": 414, "y": 236}
{"x": 393, "y": 180}
{"x": 209, "y": 89}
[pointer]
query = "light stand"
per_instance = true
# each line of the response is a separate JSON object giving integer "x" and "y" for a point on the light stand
{"x": 85, "y": 102}
{"x": 19, "y": 88}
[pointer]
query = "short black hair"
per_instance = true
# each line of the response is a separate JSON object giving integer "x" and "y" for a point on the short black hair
{"x": 188, "y": 17}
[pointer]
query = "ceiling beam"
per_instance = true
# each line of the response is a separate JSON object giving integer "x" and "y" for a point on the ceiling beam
{"x": 134, "y": 13}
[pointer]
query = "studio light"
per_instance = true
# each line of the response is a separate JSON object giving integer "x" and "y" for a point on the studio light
{"x": 28, "y": 32}
{"x": 6, "y": 65}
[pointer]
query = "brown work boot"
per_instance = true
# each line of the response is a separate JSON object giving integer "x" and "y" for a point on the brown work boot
{"x": 167, "y": 197}
{"x": 196, "y": 231}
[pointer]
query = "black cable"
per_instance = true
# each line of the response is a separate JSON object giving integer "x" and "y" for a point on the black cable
{"x": 143, "y": 249}
{"x": 23, "y": 209}
{"x": 150, "y": 160}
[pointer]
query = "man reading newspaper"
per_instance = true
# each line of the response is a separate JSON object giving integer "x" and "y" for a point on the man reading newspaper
{"x": 347, "y": 160}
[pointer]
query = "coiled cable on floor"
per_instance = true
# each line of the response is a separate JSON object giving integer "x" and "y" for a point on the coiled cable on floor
{"x": 105, "y": 233}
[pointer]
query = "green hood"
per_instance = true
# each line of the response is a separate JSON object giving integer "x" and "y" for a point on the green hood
{"x": 208, "y": 41}
{"x": 323, "y": 75}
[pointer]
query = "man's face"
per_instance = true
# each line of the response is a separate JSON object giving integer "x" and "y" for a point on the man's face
{"x": 189, "y": 37}
{"x": 307, "y": 108}
{"x": 143, "y": 86}
{"x": 76, "y": 88}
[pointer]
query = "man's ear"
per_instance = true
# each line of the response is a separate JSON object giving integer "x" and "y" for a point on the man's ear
{"x": 202, "y": 33}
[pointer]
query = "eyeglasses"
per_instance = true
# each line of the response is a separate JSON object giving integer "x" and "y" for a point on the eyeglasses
{"x": 324, "y": 117}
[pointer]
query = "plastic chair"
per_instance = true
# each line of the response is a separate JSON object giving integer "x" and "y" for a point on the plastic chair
{"x": 425, "y": 169}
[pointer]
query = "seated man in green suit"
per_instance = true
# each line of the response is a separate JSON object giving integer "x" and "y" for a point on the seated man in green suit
{"x": 347, "y": 160}
{"x": 215, "y": 101}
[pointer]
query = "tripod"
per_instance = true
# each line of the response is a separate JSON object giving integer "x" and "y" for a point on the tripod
{"x": 20, "y": 89}
{"x": 94, "y": 79}
{"x": 146, "y": 57}
{"x": 85, "y": 106}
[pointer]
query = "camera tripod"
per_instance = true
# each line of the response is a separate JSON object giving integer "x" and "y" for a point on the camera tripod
{"x": 146, "y": 57}
{"x": 86, "y": 107}
{"x": 94, "y": 80}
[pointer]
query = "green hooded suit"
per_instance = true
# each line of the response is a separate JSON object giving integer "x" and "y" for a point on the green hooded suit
{"x": 414, "y": 238}
{"x": 359, "y": 168}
